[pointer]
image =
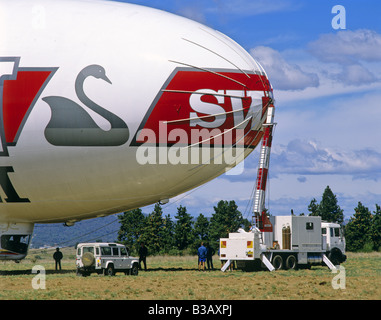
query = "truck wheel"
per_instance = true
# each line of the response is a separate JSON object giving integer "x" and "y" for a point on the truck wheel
{"x": 291, "y": 262}
{"x": 278, "y": 262}
{"x": 110, "y": 270}
{"x": 335, "y": 256}
{"x": 134, "y": 270}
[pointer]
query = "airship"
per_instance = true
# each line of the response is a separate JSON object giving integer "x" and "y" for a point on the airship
{"x": 108, "y": 106}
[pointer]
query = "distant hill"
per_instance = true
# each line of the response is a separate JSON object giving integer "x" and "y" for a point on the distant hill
{"x": 57, "y": 235}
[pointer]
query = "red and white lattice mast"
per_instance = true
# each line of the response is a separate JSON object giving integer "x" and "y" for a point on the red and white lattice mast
{"x": 259, "y": 215}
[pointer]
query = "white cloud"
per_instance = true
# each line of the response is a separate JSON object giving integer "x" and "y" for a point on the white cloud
{"x": 349, "y": 50}
{"x": 334, "y": 64}
{"x": 355, "y": 74}
{"x": 330, "y": 86}
{"x": 347, "y": 47}
{"x": 302, "y": 157}
{"x": 349, "y": 122}
{"x": 283, "y": 75}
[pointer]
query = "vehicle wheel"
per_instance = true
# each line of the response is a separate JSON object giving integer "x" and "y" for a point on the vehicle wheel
{"x": 335, "y": 257}
{"x": 79, "y": 273}
{"x": 88, "y": 259}
{"x": 134, "y": 270}
{"x": 291, "y": 262}
{"x": 110, "y": 270}
{"x": 278, "y": 262}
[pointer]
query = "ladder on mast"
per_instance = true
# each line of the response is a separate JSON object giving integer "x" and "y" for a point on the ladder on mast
{"x": 259, "y": 214}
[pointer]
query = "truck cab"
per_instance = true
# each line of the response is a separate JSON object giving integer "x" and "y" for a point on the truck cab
{"x": 333, "y": 242}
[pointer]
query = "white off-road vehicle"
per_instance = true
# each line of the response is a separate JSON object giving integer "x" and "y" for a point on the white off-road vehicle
{"x": 104, "y": 258}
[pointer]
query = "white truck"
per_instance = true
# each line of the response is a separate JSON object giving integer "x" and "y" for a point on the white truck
{"x": 104, "y": 258}
{"x": 290, "y": 242}
{"x": 281, "y": 242}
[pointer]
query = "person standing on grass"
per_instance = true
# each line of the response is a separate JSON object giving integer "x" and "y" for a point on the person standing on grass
{"x": 201, "y": 256}
{"x": 142, "y": 256}
{"x": 57, "y": 256}
{"x": 209, "y": 256}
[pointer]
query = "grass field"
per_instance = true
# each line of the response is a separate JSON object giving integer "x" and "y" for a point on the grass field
{"x": 177, "y": 278}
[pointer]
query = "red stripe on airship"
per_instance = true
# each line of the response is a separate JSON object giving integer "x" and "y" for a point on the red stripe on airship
{"x": 181, "y": 101}
{"x": 19, "y": 97}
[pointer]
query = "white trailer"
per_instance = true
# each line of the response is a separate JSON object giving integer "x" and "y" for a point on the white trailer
{"x": 295, "y": 241}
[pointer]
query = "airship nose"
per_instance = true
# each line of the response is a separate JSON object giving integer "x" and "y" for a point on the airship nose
{"x": 211, "y": 51}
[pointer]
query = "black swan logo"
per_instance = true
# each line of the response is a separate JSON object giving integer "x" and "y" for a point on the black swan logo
{"x": 71, "y": 125}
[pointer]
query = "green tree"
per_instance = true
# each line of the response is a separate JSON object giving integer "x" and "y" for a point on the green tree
{"x": 183, "y": 228}
{"x": 153, "y": 231}
{"x": 201, "y": 228}
{"x": 226, "y": 219}
{"x": 131, "y": 228}
{"x": 168, "y": 232}
{"x": 313, "y": 208}
{"x": 358, "y": 229}
{"x": 328, "y": 208}
{"x": 376, "y": 228}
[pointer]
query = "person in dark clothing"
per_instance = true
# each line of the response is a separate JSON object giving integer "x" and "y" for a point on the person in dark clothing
{"x": 209, "y": 256}
{"x": 57, "y": 256}
{"x": 142, "y": 256}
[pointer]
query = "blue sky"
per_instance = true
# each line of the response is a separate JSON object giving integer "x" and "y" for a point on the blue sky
{"x": 327, "y": 87}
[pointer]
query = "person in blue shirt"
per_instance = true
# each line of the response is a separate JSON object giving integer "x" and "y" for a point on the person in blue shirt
{"x": 202, "y": 252}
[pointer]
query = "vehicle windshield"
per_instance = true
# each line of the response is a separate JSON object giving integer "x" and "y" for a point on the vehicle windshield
{"x": 335, "y": 232}
{"x": 15, "y": 243}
